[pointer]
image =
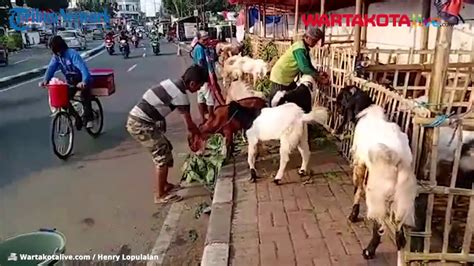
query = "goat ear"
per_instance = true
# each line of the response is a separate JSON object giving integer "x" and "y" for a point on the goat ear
{"x": 353, "y": 89}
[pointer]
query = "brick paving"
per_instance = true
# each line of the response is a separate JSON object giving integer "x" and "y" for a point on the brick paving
{"x": 298, "y": 222}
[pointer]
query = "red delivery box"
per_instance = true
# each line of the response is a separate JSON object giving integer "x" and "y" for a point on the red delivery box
{"x": 103, "y": 83}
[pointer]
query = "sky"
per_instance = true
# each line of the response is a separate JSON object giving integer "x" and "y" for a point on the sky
{"x": 150, "y": 7}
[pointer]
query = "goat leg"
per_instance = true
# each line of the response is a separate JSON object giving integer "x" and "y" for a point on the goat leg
{"x": 284, "y": 158}
{"x": 303, "y": 148}
{"x": 400, "y": 239}
{"x": 358, "y": 179}
{"x": 252, "y": 151}
{"x": 369, "y": 252}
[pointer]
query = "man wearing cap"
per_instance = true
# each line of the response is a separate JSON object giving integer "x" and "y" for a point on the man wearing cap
{"x": 294, "y": 61}
{"x": 205, "y": 98}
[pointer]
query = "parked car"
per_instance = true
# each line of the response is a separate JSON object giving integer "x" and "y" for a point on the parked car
{"x": 98, "y": 34}
{"x": 74, "y": 39}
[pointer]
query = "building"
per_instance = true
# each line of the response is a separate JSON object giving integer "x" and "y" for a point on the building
{"x": 129, "y": 9}
{"x": 73, "y": 3}
{"x": 151, "y": 8}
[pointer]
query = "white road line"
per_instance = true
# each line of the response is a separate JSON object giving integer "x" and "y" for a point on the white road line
{"x": 144, "y": 54}
{"x": 21, "y": 61}
{"x": 38, "y": 78}
{"x": 170, "y": 225}
{"x": 132, "y": 67}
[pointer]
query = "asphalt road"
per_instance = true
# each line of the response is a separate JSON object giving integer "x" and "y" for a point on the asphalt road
{"x": 31, "y": 58}
{"x": 101, "y": 198}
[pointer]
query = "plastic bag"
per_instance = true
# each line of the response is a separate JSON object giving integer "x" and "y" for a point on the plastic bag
{"x": 56, "y": 81}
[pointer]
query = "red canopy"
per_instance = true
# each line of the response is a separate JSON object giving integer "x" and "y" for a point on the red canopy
{"x": 306, "y": 5}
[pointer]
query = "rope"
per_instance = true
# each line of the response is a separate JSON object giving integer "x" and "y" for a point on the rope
{"x": 226, "y": 123}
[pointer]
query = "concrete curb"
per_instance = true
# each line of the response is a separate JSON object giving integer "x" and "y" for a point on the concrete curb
{"x": 27, "y": 75}
{"x": 217, "y": 245}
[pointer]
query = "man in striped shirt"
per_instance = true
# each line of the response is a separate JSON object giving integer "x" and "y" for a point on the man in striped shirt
{"x": 146, "y": 123}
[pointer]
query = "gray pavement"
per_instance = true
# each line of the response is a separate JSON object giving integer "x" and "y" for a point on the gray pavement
{"x": 36, "y": 56}
{"x": 101, "y": 198}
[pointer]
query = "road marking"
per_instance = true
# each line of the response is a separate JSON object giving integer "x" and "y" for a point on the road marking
{"x": 38, "y": 78}
{"x": 170, "y": 225}
{"x": 144, "y": 54}
{"x": 21, "y": 61}
{"x": 132, "y": 67}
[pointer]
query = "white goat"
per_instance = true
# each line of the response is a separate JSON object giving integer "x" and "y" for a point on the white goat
{"x": 232, "y": 69}
{"x": 255, "y": 67}
{"x": 236, "y": 66}
{"x": 288, "y": 123}
{"x": 239, "y": 90}
{"x": 383, "y": 148}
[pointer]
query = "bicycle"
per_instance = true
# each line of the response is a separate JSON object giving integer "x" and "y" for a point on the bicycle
{"x": 63, "y": 119}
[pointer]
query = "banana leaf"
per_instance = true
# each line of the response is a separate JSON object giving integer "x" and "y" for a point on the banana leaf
{"x": 211, "y": 176}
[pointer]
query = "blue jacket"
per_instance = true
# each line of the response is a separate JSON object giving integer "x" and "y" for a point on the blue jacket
{"x": 199, "y": 55}
{"x": 71, "y": 65}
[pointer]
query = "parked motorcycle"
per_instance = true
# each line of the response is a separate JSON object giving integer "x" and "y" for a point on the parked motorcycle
{"x": 109, "y": 45}
{"x": 124, "y": 48}
{"x": 135, "y": 41}
{"x": 155, "y": 45}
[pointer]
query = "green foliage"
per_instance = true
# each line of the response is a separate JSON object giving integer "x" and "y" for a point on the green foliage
{"x": 13, "y": 41}
{"x": 94, "y": 6}
{"x": 269, "y": 52}
{"x": 205, "y": 168}
{"x": 55, "y": 5}
{"x": 264, "y": 85}
{"x": 247, "y": 50}
{"x": 182, "y": 8}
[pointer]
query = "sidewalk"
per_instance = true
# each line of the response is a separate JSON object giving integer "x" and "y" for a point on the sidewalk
{"x": 298, "y": 222}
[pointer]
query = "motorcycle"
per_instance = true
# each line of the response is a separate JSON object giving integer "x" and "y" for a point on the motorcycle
{"x": 135, "y": 41}
{"x": 155, "y": 45}
{"x": 124, "y": 48}
{"x": 109, "y": 45}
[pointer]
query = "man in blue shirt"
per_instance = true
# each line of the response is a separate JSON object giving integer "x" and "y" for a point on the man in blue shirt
{"x": 205, "y": 99}
{"x": 76, "y": 72}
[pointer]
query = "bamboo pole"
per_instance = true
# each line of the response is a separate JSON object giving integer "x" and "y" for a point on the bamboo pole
{"x": 430, "y": 140}
{"x": 264, "y": 23}
{"x": 297, "y": 14}
{"x": 357, "y": 32}
{"x": 365, "y": 11}
{"x": 322, "y": 8}
{"x": 246, "y": 18}
{"x": 426, "y": 10}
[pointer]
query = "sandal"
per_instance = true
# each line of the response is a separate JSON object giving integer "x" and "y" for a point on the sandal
{"x": 172, "y": 198}
{"x": 173, "y": 188}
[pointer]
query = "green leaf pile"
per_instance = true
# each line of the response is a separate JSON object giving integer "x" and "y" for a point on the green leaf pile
{"x": 205, "y": 168}
{"x": 269, "y": 52}
{"x": 264, "y": 85}
{"x": 247, "y": 49}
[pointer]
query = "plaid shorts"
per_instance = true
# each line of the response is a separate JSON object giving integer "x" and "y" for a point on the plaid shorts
{"x": 152, "y": 138}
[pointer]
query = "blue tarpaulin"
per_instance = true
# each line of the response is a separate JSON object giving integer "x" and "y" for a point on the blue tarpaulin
{"x": 253, "y": 16}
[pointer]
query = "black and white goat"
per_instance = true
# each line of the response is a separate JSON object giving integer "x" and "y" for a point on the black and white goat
{"x": 303, "y": 95}
{"x": 382, "y": 148}
{"x": 350, "y": 101}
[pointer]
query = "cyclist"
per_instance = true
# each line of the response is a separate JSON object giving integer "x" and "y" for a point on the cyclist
{"x": 76, "y": 72}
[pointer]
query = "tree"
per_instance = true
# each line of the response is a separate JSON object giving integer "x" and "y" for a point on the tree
{"x": 180, "y": 8}
{"x": 55, "y": 5}
{"x": 19, "y": 2}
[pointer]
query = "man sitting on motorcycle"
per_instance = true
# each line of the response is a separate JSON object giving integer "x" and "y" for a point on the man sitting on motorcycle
{"x": 76, "y": 72}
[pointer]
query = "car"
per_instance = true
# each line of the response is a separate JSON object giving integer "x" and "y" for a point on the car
{"x": 74, "y": 39}
{"x": 98, "y": 34}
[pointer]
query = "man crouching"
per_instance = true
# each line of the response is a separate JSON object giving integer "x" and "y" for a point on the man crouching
{"x": 146, "y": 123}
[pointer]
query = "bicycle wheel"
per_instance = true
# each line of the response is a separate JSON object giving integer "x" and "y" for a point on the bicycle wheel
{"x": 98, "y": 121}
{"x": 62, "y": 135}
